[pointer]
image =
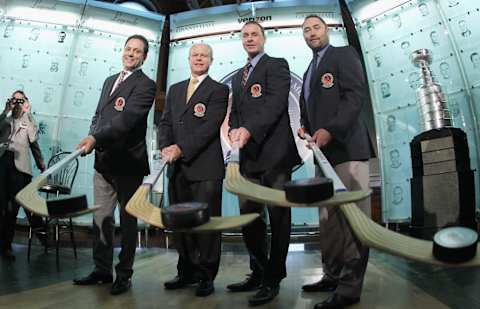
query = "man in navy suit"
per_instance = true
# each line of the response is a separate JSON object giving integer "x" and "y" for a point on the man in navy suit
{"x": 189, "y": 137}
{"x": 334, "y": 91}
{"x": 260, "y": 124}
{"x": 117, "y": 133}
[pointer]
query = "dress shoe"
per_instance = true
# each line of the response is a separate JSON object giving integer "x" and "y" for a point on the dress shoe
{"x": 205, "y": 288}
{"x": 250, "y": 284}
{"x": 337, "y": 301}
{"x": 179, "y": 282}
{"x": 94, "y": 278}
{"x": 121, "y": 285}
{"x": 7, "y": 254}
{"x": 324, "y": 285}
{"x": 265, "y": 295}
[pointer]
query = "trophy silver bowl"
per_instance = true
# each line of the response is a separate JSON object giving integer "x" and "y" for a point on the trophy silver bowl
{"x": 433, "y": 105}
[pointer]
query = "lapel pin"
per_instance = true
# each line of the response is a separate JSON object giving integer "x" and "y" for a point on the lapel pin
{"x": 199, "y": 110}
{"x": 256, "y": 90}
{"x": 119, "y": 104}
{"x": 327, "y": 80}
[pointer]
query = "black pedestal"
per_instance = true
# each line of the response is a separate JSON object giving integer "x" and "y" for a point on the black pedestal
{"x": 443, "y": 190}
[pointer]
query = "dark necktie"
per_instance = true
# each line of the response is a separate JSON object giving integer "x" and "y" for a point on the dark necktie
{"x": 246, "y": 69}
{"x": 313, "y": 68}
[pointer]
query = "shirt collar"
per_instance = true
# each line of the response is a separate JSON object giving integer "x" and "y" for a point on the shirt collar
{"x": 321, "y": 51}
{"x": 128, "y": 73}
{"x": 200, "y": 78}
{"x": 256, "y": 59}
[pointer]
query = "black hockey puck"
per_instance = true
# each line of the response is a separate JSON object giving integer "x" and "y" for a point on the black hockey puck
{"x": 64, "y": 206}
{"x": 309, "y": 190}
{"x": 455, "y": 244}
{"x": 185, "y": 215}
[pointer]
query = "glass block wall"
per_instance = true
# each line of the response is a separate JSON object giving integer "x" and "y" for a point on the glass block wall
{"x": 59, "y": 53}
{"x": 389, "y": 31}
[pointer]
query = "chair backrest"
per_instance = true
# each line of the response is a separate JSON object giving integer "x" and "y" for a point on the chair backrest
{"x": 65, "y": 176}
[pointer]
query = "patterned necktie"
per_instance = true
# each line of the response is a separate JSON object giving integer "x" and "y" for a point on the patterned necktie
{"x": 246, "y": 69}
{"x": 120, "y": 79}
{"x": 191, "y": 88}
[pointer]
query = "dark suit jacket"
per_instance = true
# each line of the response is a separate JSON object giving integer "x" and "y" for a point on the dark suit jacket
{"x": 337, "y": 109}
{"x": 264, "y": 113}
{"x": 196, "y": 133}
{"x": 120, "y": 134}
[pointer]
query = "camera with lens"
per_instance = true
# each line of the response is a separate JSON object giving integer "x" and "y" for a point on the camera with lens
{"x": 15, "y": 101}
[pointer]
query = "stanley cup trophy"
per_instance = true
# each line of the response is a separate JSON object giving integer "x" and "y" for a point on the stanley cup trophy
{"x": 443, "y": 184}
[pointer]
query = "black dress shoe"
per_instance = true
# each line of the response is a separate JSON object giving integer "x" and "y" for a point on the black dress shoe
{"x": 250, "y": 284}
{"x": 265, "y": 295}
{"x": 121, "y": 285}
{"x": 337, "y": 302}
{"x": 94, "y": 278}
{"x": 324, "y": 285}
{"x": 205, "y": 288}
{"x": 7, "y": 255}
{"x": 178, "y": 282}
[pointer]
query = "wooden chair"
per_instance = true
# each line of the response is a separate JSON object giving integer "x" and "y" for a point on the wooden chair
{"x": 57, "y": 179}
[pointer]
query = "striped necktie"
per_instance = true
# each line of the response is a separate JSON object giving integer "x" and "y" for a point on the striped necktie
{"x": 246, "y": 69}
{"x": 120, "y": 79}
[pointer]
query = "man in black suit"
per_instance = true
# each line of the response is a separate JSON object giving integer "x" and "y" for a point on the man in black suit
{"x": 260, "y": 124}
{"x": 117, "y": 134}
{"x": 190, "y": 141}
{"x": 334, "y": 91}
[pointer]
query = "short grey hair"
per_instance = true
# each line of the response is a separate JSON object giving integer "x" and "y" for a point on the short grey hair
{"x": 210, "y": 50}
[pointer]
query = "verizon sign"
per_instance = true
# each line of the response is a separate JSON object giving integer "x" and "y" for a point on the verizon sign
{"x": 231, "y": 18}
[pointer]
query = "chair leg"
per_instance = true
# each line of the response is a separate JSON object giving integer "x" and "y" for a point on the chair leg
{"x": 146, "y": 237}
{"x": 72, "y": 238}
{"x": 56, "y": 240}
{"x": 139, "y": 236}
{"x": 46, "y": 235}
{"x": 29, "y": 242}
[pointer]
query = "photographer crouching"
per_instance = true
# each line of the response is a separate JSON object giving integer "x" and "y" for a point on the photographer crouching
{"x": 18, "y": 133}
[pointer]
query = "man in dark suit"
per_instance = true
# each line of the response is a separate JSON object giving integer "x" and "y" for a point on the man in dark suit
{"x": 117, "y": 134}
{"x": 260, "y": 124}
{"x": 190, "y": 141}
{"x": 334, "y": 91}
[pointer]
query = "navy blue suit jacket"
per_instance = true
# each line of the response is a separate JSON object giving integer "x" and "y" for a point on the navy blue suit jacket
{"x": 262, "y": 108}
{"x": 337, "y": 107}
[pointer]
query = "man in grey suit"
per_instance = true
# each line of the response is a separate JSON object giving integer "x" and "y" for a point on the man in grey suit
{"x": 117, "y": 134}
{"x": 334, "y": 91}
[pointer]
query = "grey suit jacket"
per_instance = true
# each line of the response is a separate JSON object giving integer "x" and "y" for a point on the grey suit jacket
{"x": 24, "y": 137}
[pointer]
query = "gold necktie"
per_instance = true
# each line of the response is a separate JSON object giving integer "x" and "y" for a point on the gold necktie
{"x": 191, "y": 88}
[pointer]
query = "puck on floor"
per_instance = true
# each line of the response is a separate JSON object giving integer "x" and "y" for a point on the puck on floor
{"x": 455, "y": 244}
